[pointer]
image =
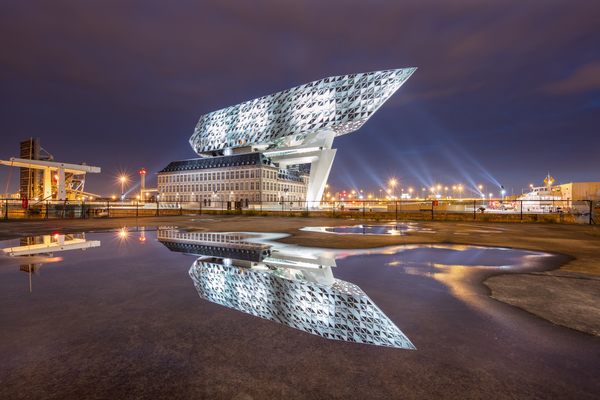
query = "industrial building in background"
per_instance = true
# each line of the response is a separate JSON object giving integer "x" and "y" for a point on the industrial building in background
{"x": 41, "y": 178}
{"x": 277, "y": 146}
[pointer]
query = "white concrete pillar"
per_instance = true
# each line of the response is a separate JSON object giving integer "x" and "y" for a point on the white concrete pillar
{"x": 47, "y": 184}
{"x": 62, "y": 194}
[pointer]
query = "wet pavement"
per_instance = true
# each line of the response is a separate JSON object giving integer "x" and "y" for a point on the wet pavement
{"x": 125, "y": 319}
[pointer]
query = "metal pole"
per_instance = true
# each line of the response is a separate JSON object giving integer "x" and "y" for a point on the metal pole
{"x": 396, "y": 202}
{"x": 137, "y": 206}
{"x": 46, "y": 209}
{"x": 157, "y": 208}
{"x": 474, "y": 207}
{"x": 108, "y": 208}
{"x": 591, "y": 209}
{"x": 6, "y": 206}
{"x": 363, "y": 209}
{"x": 521, "y": 210}
{"x": 432, "y": 210}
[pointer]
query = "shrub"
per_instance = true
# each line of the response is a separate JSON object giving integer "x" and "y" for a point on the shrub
{"x": 305, "y": 214}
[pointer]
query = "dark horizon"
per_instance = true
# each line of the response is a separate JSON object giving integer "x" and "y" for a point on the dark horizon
{"x": 503, "y": 95}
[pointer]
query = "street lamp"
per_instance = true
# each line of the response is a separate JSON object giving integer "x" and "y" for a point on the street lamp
{"x": 393, "y": 183}
{"x": 446, "y": 191}
{"x": 460, "y": 191}
{"x": 122, "y": 186}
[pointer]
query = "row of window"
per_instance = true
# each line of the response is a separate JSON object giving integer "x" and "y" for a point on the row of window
{"x": 227, "y": 186}
{"x": 222, "y": 197}
{"x": 216, "y": 176}
{"x": 208, "y": 237}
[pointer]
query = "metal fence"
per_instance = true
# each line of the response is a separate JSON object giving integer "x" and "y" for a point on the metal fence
{"x": 578, "y": 211}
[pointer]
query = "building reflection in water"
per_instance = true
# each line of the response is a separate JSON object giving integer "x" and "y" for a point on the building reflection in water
{"x": 287, "y": 287}
{"x": 43, "y": 247}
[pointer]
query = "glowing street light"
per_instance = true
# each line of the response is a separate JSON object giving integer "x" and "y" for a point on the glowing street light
{"x": 123, "y": 179}
{"x": 460, "y": 191}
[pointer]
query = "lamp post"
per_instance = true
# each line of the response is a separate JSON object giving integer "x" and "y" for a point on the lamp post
{"x": 122, "y": 187}
{"x": 460, "y": 191}
{"x": 446, "y": 191}
{"x": 393, "y": 183}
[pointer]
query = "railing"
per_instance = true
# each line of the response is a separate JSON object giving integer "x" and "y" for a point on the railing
{"x": 577, "y": 211}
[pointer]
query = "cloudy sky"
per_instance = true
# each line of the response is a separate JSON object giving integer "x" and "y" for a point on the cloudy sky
{"x": 505, "y": 91}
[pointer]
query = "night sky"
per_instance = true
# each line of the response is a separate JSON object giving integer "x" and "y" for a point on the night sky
{"x": 505, "y": 91}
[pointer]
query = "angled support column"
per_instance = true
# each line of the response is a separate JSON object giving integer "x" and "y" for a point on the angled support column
{"x": 319, "y": 173}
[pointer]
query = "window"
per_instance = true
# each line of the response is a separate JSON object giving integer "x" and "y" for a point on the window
{"x": 227, "y": 175}
{"x": 237, "y": 175}
{"x": 247, "y": 174}
{"x": 246, "y": 186}
{"x": 252, "y": 184}
{"x": 237, "y": 186}
{"x": 252, "y": 174}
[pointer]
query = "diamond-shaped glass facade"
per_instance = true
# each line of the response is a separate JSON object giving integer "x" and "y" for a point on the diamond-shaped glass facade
{"x": 341, "y": 104}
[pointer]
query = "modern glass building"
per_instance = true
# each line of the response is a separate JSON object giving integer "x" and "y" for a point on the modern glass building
{"x": 285, "y": 138}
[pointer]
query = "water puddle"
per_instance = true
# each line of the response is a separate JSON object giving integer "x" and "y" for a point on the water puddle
{"x": 390, "y": 229}
{"x": 288, "y": 284}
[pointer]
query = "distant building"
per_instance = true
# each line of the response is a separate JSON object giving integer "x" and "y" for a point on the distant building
{"x": 246, "y": 177}
{"x": 277, "y": 147}
{"x": 563, "y": 195}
